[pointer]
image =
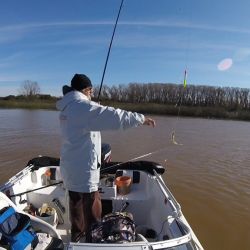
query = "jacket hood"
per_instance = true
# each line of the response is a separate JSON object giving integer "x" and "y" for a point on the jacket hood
{"x": 72, "y": 96}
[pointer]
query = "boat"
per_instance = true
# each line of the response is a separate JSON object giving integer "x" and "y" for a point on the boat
{"x": 153, "y": 217}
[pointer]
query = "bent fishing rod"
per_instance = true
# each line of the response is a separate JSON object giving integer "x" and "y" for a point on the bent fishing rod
{"x": 133, "y": 159}
{"x": 110, "y": 45}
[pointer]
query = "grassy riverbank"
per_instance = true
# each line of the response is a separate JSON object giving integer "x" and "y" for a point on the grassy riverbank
{"x": 27, "y": 104}
{"x": 145, "y": 108}
{"x": 205, "y": 112}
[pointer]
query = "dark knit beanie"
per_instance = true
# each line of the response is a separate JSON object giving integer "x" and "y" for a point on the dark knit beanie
{"x": 80, "y": 82}
{"x": 66, "y": 89}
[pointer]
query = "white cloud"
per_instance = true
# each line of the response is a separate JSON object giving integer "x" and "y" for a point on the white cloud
{"x": 132, "y": 39}
{"x": 14, "y": 30}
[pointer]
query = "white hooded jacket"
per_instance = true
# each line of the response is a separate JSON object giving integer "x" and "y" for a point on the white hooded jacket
{"x": 81, "y": 121}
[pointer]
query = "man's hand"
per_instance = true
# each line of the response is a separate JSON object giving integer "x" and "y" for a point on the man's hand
{"x": 149, "y": 122}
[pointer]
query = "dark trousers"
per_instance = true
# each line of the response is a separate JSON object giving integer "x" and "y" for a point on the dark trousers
{"x": 85, "y": 209}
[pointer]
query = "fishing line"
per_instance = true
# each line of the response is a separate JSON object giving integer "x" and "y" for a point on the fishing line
{"x": 110, "y": 45}
{"x": 184, "y": 86}
{"x": 179, "y": 110}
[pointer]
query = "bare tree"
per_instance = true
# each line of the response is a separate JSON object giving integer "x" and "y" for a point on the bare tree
{"x": 29, "y": 88}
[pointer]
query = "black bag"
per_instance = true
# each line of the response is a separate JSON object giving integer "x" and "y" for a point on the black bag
{"x": 116, "y": 227}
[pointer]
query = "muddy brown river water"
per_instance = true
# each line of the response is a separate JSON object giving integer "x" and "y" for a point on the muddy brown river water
{"x": 209, "y": 174}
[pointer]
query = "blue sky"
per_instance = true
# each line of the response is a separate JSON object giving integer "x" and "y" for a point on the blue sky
{"x": 156, "y": 40}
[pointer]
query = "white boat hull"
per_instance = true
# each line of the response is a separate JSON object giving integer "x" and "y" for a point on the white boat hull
{"x": 149, "y": 201}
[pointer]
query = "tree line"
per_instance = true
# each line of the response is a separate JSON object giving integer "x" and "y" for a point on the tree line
{"x": 230, "y": 98}
{"x": 31, "y": 91}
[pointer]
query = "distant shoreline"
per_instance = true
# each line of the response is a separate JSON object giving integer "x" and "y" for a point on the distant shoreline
{"x": 27, "y": 104}
{"x": 145, "y": 108}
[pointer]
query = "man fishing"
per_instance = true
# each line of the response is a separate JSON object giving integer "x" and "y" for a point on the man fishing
{"x": 81, "y": 121}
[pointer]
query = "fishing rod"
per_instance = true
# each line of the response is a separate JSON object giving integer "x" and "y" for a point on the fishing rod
{"x": 133, "y": 159}
{"x": 32, "y": 190}
{"x": 110, "y": 45}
